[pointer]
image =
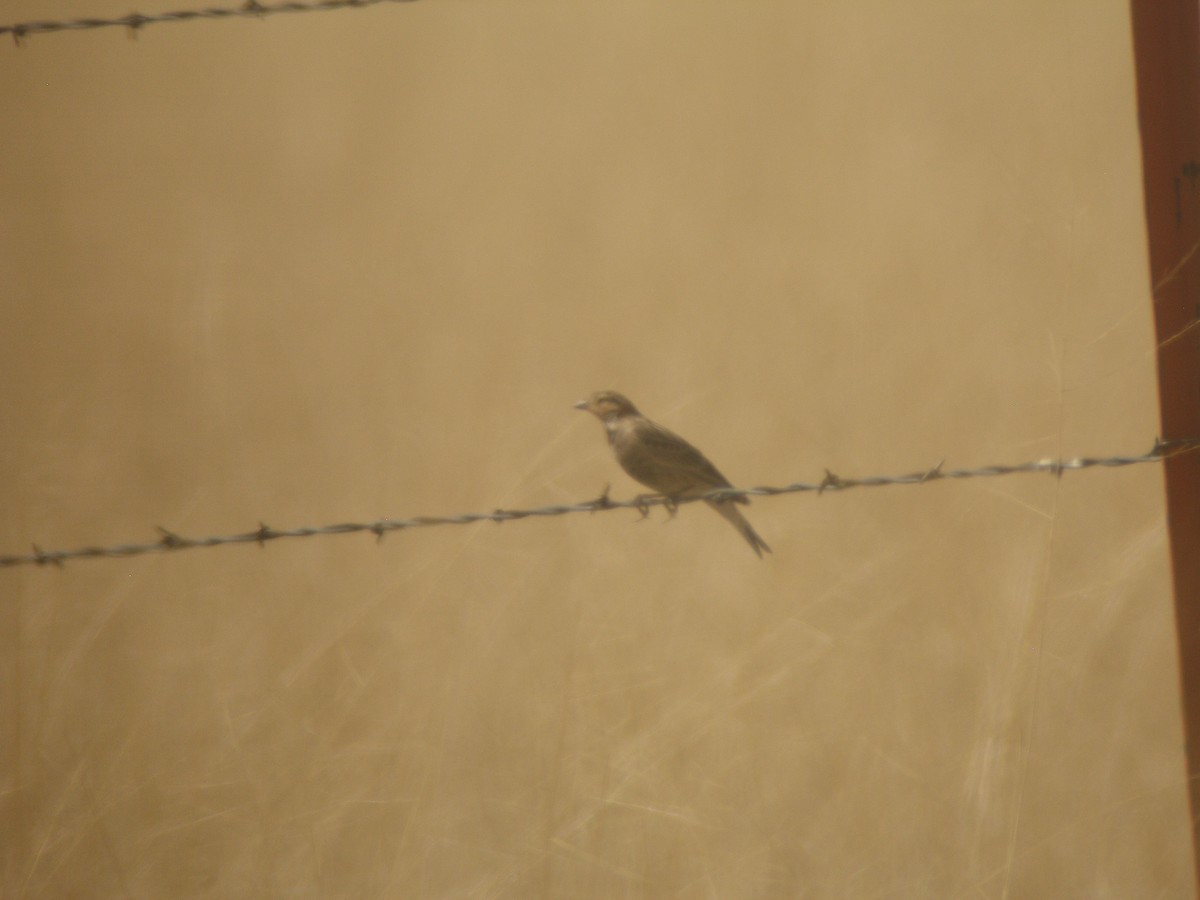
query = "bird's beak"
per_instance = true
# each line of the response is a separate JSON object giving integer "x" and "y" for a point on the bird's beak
{"x": 582, "y": 404}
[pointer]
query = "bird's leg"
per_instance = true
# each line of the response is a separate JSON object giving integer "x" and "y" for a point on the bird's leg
{"x": 672, "y": 507}
{"x": 642, "y": 504}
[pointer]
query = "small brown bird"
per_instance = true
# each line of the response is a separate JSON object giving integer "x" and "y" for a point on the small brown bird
{"x": 663, "y": 461}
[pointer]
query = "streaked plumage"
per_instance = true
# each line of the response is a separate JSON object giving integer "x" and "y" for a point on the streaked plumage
{"x": 663, "y": 461}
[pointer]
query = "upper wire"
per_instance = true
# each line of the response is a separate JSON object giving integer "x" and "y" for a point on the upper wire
{"x": 136, "y": 21}
{"x": 170, "y": 541}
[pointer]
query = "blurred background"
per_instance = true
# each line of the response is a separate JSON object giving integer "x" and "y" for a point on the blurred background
{"x": 347, "y": 265}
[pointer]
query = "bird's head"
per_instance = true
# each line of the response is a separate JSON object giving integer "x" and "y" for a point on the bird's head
{"x": 608, "y": 406}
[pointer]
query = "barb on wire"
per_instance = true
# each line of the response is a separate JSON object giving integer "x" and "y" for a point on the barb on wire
{"x": 170, "y": 541}
{"x": 134, "y": 21}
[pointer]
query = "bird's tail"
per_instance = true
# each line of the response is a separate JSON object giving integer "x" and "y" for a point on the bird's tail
{"x": 734, "y": 517}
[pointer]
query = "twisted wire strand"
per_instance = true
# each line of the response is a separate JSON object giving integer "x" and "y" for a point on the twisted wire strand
{"x": 170, "y": 541}
{"x": 134, "y": 21}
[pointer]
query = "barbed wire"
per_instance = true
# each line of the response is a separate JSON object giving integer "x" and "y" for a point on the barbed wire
{"x": 170, "y": 541}
{"x": 134, "y": 21}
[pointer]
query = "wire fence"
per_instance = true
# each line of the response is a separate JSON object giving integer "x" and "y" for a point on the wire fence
{"x": 169, "y": 541}
{"x": 135, "y": 21}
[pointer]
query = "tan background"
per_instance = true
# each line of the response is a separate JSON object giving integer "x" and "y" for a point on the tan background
{"x": 360, "y": 264}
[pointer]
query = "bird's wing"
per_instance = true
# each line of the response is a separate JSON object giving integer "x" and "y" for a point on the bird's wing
{"x": 673, "y": 450}
{"x": 666, "y": 462}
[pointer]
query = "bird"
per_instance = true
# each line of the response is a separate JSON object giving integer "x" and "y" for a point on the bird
{"x": 663, "y": 461}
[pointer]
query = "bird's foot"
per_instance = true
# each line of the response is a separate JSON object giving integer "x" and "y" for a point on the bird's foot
{"x": 642, "y": 503}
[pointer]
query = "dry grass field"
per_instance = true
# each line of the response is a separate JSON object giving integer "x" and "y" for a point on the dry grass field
{"x": 340, "y": 266}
